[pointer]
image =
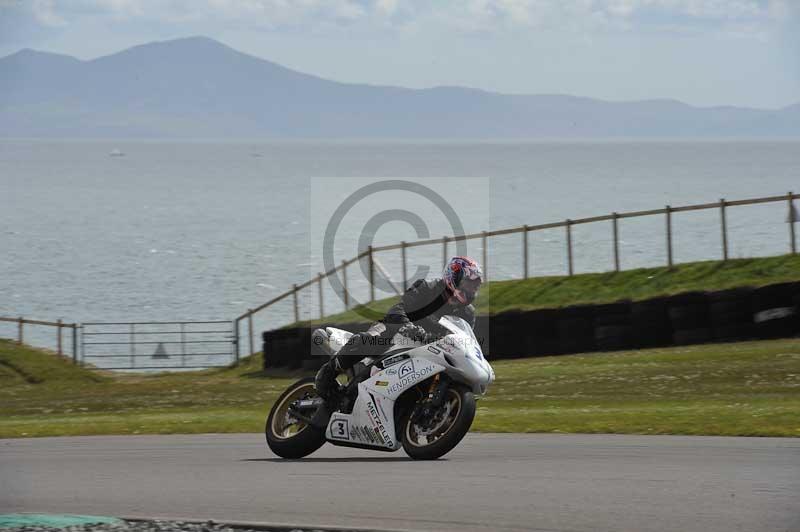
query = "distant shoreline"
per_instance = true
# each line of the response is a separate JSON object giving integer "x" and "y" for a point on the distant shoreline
{"x": 410, "y": 140}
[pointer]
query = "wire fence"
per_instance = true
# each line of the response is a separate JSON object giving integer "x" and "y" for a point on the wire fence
{"x": 151, "y": 345}
{"x": 614, "y": 220}
{"x": 368, "y": 262}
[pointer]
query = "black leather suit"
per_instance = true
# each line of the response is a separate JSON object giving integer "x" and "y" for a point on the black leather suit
{"x": 422, "y": 304}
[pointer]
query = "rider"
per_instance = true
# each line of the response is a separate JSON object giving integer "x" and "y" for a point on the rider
{"x": 414, "y": 316}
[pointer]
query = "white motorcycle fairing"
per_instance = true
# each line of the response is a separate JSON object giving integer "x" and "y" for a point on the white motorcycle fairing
{"x": 371, "y": 423}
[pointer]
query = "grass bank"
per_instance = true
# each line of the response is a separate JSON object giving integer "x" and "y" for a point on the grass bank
{"x": 750, "y": 388}
{"x": 642, "y": 283}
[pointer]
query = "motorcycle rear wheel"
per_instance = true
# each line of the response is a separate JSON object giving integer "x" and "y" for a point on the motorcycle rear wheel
{"x": 289, "y": 437}
{"x": 430, "y": 443}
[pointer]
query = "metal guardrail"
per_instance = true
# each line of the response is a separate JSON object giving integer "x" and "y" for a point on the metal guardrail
{"x": 21, "y": 322}
{"x": 667, "y": 211}
{"x": 159, "y": 344}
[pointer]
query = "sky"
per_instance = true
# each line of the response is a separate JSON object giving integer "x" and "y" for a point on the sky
{"x": 702, "y": 52}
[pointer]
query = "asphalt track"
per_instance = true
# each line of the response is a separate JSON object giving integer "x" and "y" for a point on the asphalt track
{"x": 490, "y": 482}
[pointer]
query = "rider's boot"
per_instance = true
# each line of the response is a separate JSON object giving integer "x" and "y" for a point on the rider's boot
{"x": 325, "y": 382}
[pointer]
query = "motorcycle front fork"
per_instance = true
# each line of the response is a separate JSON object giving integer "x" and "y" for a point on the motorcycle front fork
{"x": 434, "y": 400}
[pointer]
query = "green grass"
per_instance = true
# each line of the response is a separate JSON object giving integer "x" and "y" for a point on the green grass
{"x": 642, "y": 283}
{"x": 750, "y": 388}
{"x": 56, "y": 398}
{"x": 743, "y": 389}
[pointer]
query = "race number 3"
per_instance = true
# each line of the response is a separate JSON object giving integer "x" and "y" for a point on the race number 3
{"x": 340, "y": 429}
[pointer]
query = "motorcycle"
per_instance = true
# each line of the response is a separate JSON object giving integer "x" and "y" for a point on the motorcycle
{"x": 420, "y": 396}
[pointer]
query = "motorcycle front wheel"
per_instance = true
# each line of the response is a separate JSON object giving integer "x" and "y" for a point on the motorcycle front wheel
{"x": 287, "y": 436}
{"x": 437, "y": 435}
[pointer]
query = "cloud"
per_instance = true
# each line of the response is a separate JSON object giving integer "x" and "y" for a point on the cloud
{"x": 464, "y": 15}
{"x": 386, "y": 7}
{"x": 737, "y": 18}
{"x": 269, "y": 13}
{"x": 44, "y": 11}
{"x": 533, "y": 12}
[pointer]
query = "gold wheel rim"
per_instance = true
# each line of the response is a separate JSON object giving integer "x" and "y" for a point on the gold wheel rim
{"x": 454, "y": 402}
{"x": 281, "y": 421}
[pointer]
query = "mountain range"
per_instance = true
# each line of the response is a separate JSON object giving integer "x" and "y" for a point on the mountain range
{"x": 199, "y": 88}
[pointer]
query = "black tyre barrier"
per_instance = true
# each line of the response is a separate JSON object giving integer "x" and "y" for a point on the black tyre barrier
{"x": 731, "y": 314}
{"x": 692, "y": 336}
{"x": 278, "y": 347}
{"x": 482, "y": 328}
{"x": 728, "y": 318}
{"x": 613, "y": 328}
{"x": 684, "y": 319}
{"x": 576, "y": 329}
{"x": 650, "y": 323}
{"x": 505, "y": 337}
{"x": 774, "y": 310}
{"x": 612, "y": 313}
{"x": 541, "y": 331}
{"x": 732, "y": 305}
{"x": 614, "y": 337}
{"x": 688, "y": 311}
{"x": 266, "y": 345}
{"x": 796, "y": 302}
{"x": 735, "y": 332}
{"x": 313, "y": 363}
{"x": 304, "y": 347}
{"x": 268, "y": 348}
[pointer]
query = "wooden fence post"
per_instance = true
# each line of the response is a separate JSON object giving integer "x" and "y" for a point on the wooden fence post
{"x": 60, "y": 351}
{"x": 403, "y": 260}
{"x": 525, "y": 252}
{"x": 296, "y": 304}
{"x": 371, "y": 275}
{"x": 74, "y": 343}
{"x": 484, "y": 241}
{"x": 236, "y": 338}
{"x": 20, "y": 336}
{"x": 724, "y": 224}
{"x": 570, "y": 267}
{"x": 669, "y": 236}
{"x": 344, "y": 286}
{"x": 615, "y": 227}
{"x": 792, "y": 219}
{"x": 234, "y": 335}
{"x": 321, "y": 307}
{"x": 250, "y": 330}
{"x": 83, "y": 345}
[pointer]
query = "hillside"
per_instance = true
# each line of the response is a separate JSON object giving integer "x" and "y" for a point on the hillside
{"x": 20, "y": 365}
{"x": 199, "y": 88}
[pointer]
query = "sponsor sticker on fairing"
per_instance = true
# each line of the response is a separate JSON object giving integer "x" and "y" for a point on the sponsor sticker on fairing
{"x": 411, "y": 377}
{"x": 378, "y": 426}
{"x": 391, "y": 361}
{"x": 406, "y": 369}
{"x": 340, "y": 429}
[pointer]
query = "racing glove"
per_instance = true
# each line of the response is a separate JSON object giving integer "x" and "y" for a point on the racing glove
{"x": 416, "y": 333}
